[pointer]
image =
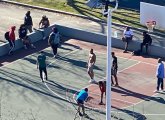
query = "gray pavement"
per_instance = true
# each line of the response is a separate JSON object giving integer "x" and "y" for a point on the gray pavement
{"x": 9, "y": 16}
{"x": 25, "y": 97}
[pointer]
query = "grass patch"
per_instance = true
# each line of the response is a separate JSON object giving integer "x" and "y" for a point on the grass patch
{"x": 121, "y": 16}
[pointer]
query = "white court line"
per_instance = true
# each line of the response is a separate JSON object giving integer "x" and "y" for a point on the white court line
{"x": 56, "y": 94}
{"x": 34, "y": 53}
{"x": 129, "y": 67}
{"x": 63, "y": 56}
{"x": 124, "y": 58}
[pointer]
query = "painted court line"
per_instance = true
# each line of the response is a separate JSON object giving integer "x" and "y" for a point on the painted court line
{"x": 63, "y": 56}
{"x": 124, "y": 58}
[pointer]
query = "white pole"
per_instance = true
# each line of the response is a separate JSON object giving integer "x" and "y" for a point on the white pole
{"x": 109, "y": 62}
{"x": 108, "y": 84}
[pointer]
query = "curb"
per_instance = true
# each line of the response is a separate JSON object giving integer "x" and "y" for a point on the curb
{"x": 52, "y": 10}
{"x": 74, "y": 15}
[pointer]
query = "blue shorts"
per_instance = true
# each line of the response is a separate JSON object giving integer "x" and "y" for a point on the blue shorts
{"x": 80, "y": 101}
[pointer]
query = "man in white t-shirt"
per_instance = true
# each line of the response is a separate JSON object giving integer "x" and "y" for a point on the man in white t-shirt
{"x": 127, "y": 37}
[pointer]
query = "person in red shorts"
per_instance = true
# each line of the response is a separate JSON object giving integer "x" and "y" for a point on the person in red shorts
{"x": 102, "y": 86}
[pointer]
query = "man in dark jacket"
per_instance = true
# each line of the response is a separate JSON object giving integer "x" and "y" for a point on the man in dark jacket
{"x": 147, "y": 40}
{"x": 28, "y": 21}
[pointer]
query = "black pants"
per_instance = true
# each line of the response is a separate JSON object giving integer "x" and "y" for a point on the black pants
{"x": 12, "y": 46}
{"x": 160, "y": 83}
{"x": 43, "y": 70}
{"x": 54, "y": 48}
{"x": 141, "y": 47}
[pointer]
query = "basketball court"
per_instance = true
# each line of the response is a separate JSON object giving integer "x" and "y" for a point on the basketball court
{"x": 24, "y": 96}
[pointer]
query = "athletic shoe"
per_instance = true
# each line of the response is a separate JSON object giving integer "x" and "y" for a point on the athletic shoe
{"x": 32, "y": 46}
{"x": 44, "y": 38}
{"x": 80, "y": 114}
{"x": 116, "y": 85}
{"x": 11, "y": 53}
{"x": 25, "y": 47}
{"x": 124, "y": 51}
{"x": 92, "y": 81}
{"x": 156, "y": 91}
{"x": 162, "y": 90}
{"x": 101, "y": 103}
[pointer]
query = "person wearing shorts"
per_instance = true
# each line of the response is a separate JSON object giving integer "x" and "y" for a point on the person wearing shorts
{"x": 41, "y": 64}
{"x": 114, "y": 69}
{"x": 81, "y": 97}
{"x": 102, "y": 86}
{"x": 90, "y": 64}
{"x": 127, "y": 37}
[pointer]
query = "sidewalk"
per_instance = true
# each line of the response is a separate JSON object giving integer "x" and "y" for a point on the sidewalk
{"x": 9, "y": 16}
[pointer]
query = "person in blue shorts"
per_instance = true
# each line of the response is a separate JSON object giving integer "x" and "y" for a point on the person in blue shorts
{"x": 81, "y": 97}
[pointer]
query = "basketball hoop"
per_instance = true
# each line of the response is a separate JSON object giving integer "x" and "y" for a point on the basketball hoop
{"x": 150, "y": 25}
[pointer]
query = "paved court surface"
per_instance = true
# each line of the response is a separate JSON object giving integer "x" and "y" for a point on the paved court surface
{"x": 9, "y": 16}
{"x": 24, "y": 96}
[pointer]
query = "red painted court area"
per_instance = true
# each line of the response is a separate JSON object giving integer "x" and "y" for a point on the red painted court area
{"x": 136, "y": 83}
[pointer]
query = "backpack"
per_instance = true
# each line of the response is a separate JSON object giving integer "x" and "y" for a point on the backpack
{"x": 7, "y": 35}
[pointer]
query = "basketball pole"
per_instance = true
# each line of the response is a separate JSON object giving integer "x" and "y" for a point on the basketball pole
{"x": 109, "y": 62}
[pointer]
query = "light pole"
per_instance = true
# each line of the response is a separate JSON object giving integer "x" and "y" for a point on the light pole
{"x": 109, "y": 62}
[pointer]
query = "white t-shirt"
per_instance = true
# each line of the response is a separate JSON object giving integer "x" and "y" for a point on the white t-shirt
{"x": 128, "y": 33}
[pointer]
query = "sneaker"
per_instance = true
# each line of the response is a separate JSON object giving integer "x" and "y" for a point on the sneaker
{"x": 101, "y": 103}
{"x": 80, "y": 114}
{"x": 44, "y": 38}
{"x": 10, "y": 53}
{"x": 124, "y": 51}
{"x": 25, "y": 47}
{"x": 92, "y": 81}
{"x": 116, "y": 85}
{"x": 162, "y": 90}
{"x": 156, "y": 91}
{"x": 32, "y": 46}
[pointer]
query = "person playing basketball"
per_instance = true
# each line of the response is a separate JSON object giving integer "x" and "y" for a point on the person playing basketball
{"x": 102, "y": 86}
{"x": 41, "y": 64}
{"x": 91, "y": 63}
{"x": 81, "y": 97}
{"x": 114, "y": 69}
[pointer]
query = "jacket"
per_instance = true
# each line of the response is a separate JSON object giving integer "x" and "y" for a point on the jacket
{"x": 160, "y": 70}
{"x": 22, "y": 32}
{"x": 12, "y": 34}
{"x": 147, "y": 39}
{"x": 28, "y": 20}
